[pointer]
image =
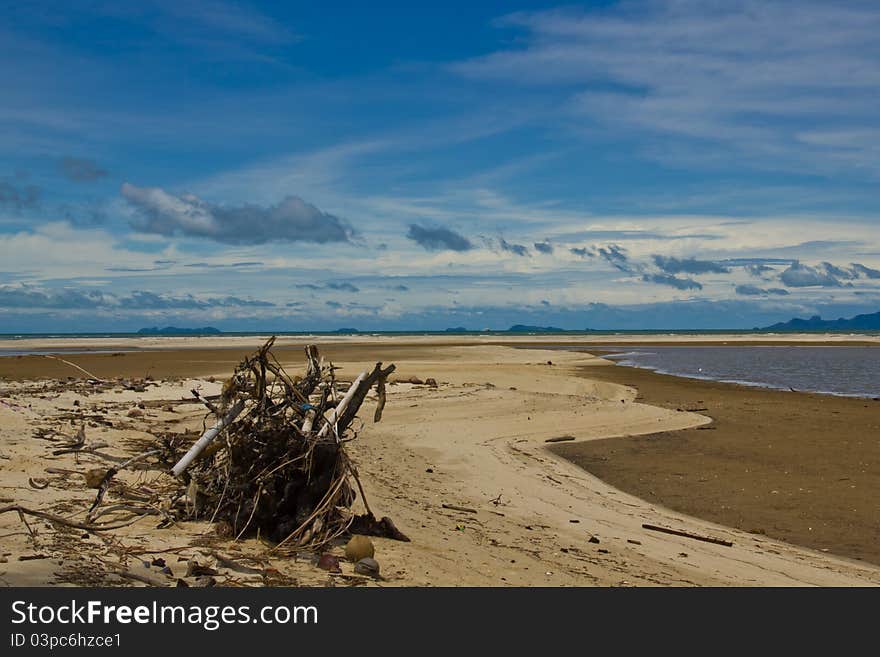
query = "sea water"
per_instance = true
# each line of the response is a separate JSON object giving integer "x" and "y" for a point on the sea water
{"x": 839, "y": 370}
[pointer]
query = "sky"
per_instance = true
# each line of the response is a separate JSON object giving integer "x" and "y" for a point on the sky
{"x": 389, "y": 166}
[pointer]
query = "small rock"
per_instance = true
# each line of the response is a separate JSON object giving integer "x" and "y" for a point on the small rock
{"x": 140, "y": 405}
{"x": 204, "y": 581}
{"x": 329, "y": 563}
{"x": 94, "y": 477}
{"x": 593, "y": 539}
{"x": 431, "y": 382}
{"x": 359, "y": 547}
{"x": 135, "y": 412}
{"x": 367, "y": 566}
{"x": 76, "y": 402}
{"x": 415, "y": 380}
{"x": 168, "y": 408}
{"x": 429, "y": 470}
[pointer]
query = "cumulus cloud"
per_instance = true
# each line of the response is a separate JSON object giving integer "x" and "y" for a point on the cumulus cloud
{"x": 438, "y": 239}
{"x": 616, "y": 256}
{"x": 758, "y": 270}
{"x": 516, "y": 249}
{"x": 754, "y": 291}
{"x": 800, "y": 275}
{"x": 80, "y": 169}
{"x": 292, "y": 220}
{"x": 673, "y": 281}
{"x": 862, "y": 270}
{"x": 838, "y": 272}
{"x": 543, "y": 247}
{"x": 672, "y": 265}
{"x": 582, "y": 251}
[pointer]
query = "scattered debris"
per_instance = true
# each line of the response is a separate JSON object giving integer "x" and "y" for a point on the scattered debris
{"x": 281, "y": 468}
{"x": 359, "y": 547}
{"x": 455, "y": 507}
{"x": 329, "y": 563}
{"x": 559, "y": 439}
{"x": 678, "y": 532}
{"x": 367, "y": 566}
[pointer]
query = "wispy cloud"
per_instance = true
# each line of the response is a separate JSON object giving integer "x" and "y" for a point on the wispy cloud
{"x": 30, "y": 297}
{"x": 754, "y": 78}
{"x": 81, "y": 170}
{"x": 673, "y": 281}
{"x": 754, "y": 290}
{"x": 18, "y": 196}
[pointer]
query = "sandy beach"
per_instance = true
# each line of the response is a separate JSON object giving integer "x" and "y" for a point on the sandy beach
{"x": 476, "y": 441}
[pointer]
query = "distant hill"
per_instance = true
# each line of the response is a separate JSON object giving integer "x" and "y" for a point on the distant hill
{"x": 457, "y": 329}
{"x": 346, "y": 330}
{"x": 175, "y": 330}
{"x": 524, "y": 328}
{"x": 858, "y": 323}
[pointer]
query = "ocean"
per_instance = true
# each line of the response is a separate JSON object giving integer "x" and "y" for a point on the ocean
{"x": 852, "y": 371}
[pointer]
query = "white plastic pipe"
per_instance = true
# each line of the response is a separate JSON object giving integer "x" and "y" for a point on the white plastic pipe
{"x": 207, "y": 438}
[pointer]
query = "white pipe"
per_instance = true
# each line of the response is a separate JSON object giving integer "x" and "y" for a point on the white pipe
{"x": 207, "y": 438}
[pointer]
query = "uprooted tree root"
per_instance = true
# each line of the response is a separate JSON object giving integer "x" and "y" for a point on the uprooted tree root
{"x": 278, "y": 465}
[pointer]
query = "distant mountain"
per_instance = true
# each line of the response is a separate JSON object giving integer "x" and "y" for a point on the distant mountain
{"x": 523, "y": 328}
{"x": 858, "y": 323}
{"x": 175, "y": 330}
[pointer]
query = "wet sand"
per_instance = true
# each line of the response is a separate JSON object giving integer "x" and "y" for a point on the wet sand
{"x": 800, "y": 467}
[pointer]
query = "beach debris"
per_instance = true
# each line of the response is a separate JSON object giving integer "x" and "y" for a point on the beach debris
{"x": 367, "y": 566}
{"x": 95, "y": 477}
{"x": 455, "y": 507}
{"x": 274, "y": 463}
{"x": 38, "y": 482}
{"x": 559, "y": 439}
{"x": 329, "y": 563}
{"x": 359, "y": 547}
{"x": 678, "y": 532}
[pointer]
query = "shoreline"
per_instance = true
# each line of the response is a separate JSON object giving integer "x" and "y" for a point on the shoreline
{"x": 796, "y": 466}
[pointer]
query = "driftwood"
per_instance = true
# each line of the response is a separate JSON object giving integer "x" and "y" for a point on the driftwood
{"x": 697, "y": 537}
{"x": 275, "y": 462}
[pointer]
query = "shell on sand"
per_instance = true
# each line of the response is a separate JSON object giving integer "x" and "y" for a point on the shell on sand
{"x": 359, "y": 547}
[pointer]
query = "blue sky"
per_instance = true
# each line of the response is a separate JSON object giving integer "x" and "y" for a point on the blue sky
{"x": 252, "y": 166}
